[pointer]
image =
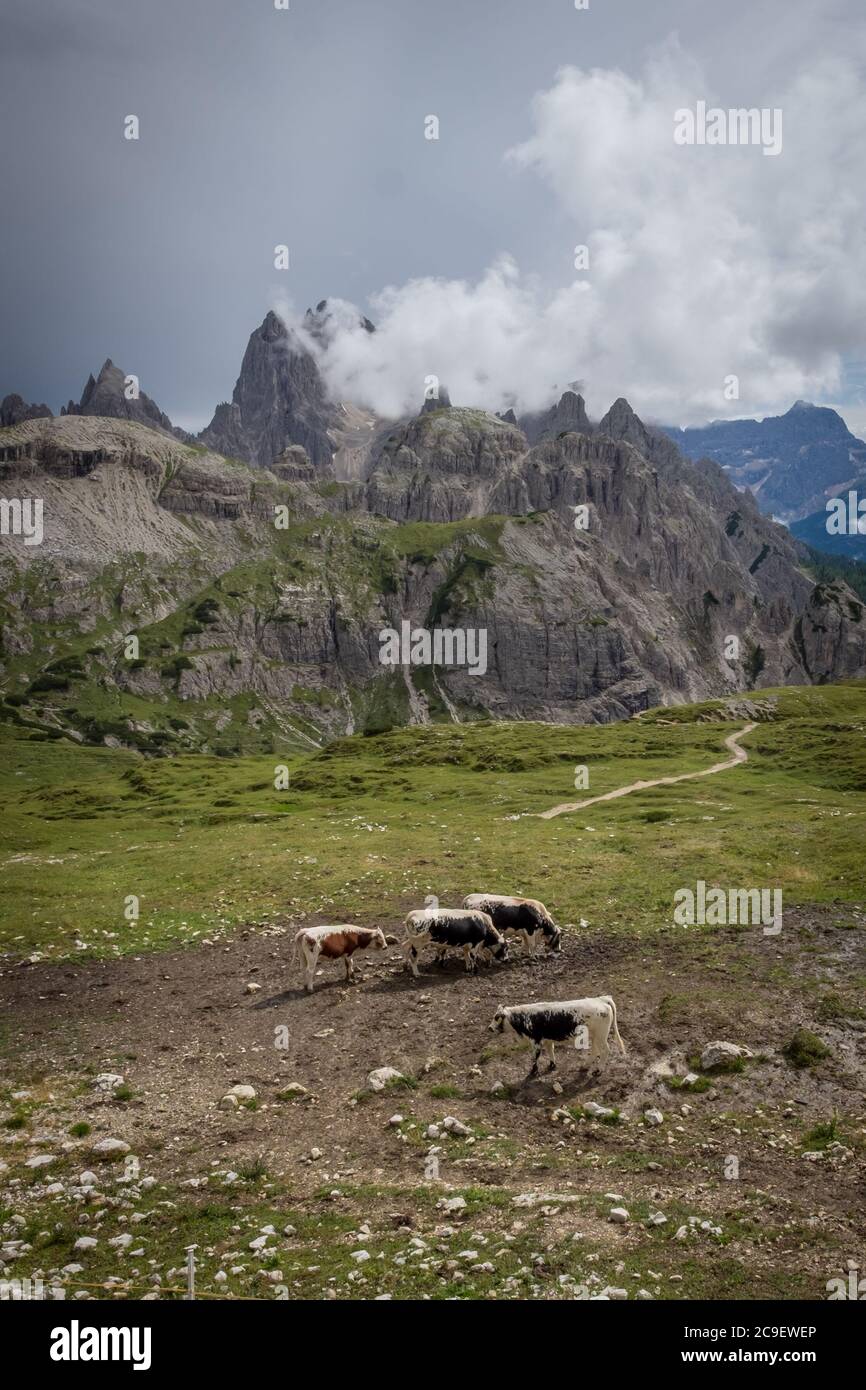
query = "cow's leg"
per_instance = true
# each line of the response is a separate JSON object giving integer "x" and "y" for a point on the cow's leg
{"x": 598, "y": 1048}
{"x": 527, "y": 944}
{"x": 533, "y": 1071}
{"x": 469, "y": 958}
{"x": 350, "y": 968}
{"x": 441, "y": 952}
{"x": 550, "y": 1049}
{"x": 410, "y": 951}
{"x": 311, "y": 957}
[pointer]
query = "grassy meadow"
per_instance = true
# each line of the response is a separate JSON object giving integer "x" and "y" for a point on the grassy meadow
{"x": 370, "y": 825}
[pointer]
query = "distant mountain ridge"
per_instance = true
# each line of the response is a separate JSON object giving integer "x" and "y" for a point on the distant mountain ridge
{"x": 791, "y": 463}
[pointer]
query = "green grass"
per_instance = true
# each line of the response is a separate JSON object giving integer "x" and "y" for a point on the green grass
{"x": 368, "y": 826}
{"x": 805, "y": 1049}
{"x": 316, "y": 1257}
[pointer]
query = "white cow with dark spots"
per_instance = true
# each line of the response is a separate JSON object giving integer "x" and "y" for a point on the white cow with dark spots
{"x": 584, "y": 1022}
{"x": 452, "y": 927}
{"x": 526, "y": 916}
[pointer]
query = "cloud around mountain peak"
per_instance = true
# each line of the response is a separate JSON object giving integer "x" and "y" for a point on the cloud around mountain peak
{"x": 695, "y": 274}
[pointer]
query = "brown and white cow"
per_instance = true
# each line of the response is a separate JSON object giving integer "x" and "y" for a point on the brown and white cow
{"x": 338, "y": 942}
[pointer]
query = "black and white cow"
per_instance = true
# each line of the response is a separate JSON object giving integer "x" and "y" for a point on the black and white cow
{"x": 585, "y": 1022}
{"x": 451, "y": 927}
{"x": 527, "y": 916}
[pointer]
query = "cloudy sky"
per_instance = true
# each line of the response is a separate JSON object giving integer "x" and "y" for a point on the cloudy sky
{"x": 306, "y": 127}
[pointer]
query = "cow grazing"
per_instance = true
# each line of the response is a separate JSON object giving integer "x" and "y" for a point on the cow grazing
{"x": 524, "y": 915}
{"x": 586, "y": 1022}
{"x": 336, "y": 943}
{"x": 451, "y": 927}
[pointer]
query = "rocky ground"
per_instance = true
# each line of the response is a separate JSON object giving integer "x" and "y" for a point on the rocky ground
{"x": 243, "y": 1120}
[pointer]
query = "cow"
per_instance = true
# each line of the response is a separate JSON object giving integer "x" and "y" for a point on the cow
{"x": 524, "y": 915}
{"x": 585, "y": 1021}
{"x": 338, "y": 942}
{"x": 446, "y": 927}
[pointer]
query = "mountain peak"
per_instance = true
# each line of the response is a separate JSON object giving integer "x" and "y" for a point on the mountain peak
{"x": 316, "y": 320}
{"x": 14, "y": 410}
{"x": 272, "y": 327}
{"x": 279, "y": 400}
{"x": 441, "y": 401}
{"x": 105, "y": 395}
{"x": 567, "y": 416}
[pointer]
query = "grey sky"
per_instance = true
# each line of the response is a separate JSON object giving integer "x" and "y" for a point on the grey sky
{"x": 306, "y": 127}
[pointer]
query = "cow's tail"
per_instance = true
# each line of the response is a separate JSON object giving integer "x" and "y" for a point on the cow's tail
{"x": 608, "y": 1000}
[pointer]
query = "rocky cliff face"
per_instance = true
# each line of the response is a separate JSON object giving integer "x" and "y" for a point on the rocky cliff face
{"x": 106, "y": 396}
{"x": 278, "y": 400}
{"x": 607, "y": 574}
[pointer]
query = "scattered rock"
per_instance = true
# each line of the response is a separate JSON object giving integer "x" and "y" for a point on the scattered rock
{"x": 722, "y": 1056}
{"x": 451, "y": 1205}
{"x": 242, "y": 1093}
{"x": 108, "y": 1081}
{"x": 294, "y": 1090}
{"x": 110, "y": 1148}
{"x": 380, "y": 1078}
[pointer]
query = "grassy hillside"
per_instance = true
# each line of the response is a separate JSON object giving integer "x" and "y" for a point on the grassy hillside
{"x": 368, "y": 826}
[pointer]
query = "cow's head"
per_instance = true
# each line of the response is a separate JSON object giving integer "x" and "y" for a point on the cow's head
{"x": 499, "y": 949}
{"x": 498, "y": 1024}
{"x": 378, "y": 940}
{"x": 553, "y": 939}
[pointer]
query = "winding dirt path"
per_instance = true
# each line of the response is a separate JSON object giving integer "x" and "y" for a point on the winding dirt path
{"x": 731, "y": 743}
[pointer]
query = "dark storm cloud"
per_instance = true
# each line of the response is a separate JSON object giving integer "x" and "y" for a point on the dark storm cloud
{"x": 305, "y": 127}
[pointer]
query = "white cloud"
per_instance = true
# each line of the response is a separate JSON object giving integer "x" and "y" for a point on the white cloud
{"x": 704, "y": 261}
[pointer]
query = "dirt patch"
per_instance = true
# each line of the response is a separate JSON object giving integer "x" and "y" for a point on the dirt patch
{"x": 182, "y": 1030}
